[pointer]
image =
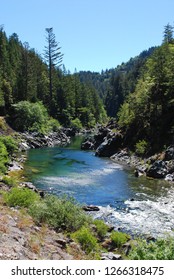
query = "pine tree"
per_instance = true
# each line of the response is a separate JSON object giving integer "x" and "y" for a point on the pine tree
{"x": 53, "y": 56}
{"x": 168, "y": 34}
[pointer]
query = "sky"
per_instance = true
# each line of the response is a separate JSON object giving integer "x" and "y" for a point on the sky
{"x": 93, "y": 35}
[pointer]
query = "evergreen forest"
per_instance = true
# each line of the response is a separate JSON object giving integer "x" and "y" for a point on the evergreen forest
{"x": 138, "y": 93}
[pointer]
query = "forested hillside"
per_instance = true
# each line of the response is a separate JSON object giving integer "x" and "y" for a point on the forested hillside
{"x": 138, "y": 93}
{"x": 115, "y": 84}
{"x": 26, "y": 76}
{"x": 146, "y": 116}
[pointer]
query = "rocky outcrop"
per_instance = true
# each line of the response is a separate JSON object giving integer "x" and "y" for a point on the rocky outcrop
{"x": 38, "y": 140}
{"x": 157, "y": 170}
{"x": 87, "y": 145}
{"x": 22, "y": 239}
{"x": 111, "y": 256}
{"x": 112, "y": 142}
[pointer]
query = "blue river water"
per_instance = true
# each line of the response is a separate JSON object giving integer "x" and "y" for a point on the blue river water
{"x": 138, "y": 205}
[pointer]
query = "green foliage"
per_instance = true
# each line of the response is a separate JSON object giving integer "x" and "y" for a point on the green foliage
{"x": 3, "y": 158}
{"x": 59, "y": 213}
{"x": 33, "y": 117}
{"x": 10, "y": 144}
{"x": 86, "y": 239}
{"x": 125, "y": 115}
{"x": 76, "y": 123}
{"x": 22, "y": 197}
{"x": 147, "y": 113}
{"x": 161, "y": 249}
{"x": 101, "y": 228}
{"x": 2, "y": 123}
{"x": 30, "y": 116}
{"x": 53, "y": 125}
{"x": 141, "y": 147}
{"x": 10, "y": 181}
{"x": 119, "y": 238}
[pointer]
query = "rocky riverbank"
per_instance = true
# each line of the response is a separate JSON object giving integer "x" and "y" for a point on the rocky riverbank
{"x": 108, "y": 142}
{"x": 37, "y": 140}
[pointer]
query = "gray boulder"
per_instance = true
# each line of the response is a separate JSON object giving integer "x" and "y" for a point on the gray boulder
{"x": 110, "y": 145}
{"x": 157, "y": 170}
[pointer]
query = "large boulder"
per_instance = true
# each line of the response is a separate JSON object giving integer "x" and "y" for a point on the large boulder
{"x": 169, "y": 153}
{"x": 110, "y": 146}
{"x": 157, "y": 170}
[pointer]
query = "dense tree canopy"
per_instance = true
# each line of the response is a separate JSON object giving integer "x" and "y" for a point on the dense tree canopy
{"x": 25, "y": 76}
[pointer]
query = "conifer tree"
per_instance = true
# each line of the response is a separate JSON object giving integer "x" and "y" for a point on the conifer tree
{"x": 53, "y": 56}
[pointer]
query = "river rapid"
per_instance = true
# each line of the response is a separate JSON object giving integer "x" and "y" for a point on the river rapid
{"x": 136, "y": 205}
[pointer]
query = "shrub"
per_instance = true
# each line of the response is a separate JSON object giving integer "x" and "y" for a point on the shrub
{"x": 119, "y": 238}
{"x": 9, "y": 181}
{"x": 86, "y": 239}
{"x": 101, "y": 228}
{"x": 161, "y": 249}
{"x": 31, "y": 117}
{"x": 141, "y": 147}
{"x": 53, "y": 125}
{"x": 10, "y": 144}
{"x": 20, "y": 197}
{"x": 3, "y": 158}
{"x": 76, "y": 123}
{"x": 59, "y": 213}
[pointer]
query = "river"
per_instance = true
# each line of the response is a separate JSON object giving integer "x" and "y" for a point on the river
{"x": 135, "y": 205}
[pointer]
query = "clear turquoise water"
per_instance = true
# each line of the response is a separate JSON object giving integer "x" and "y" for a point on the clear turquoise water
{"x": 99, "y": 181}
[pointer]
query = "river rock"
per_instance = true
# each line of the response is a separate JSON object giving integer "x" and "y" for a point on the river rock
{"x": 29, "y": 185}
{"x": 90, "y": 208}
{"x": 87, "y": 145}
{"x": 110, "y": 256}
{"x": 110, "y": 146}
{"x": 169, "y": 177}
{"x": 157, "y": 170}
{"x": 169, "y": 153}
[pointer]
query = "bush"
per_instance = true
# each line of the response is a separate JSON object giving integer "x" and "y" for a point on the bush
{"x": 59, "y": 213}
{"x": 141, "y": 147}
{"x": 9, "y": 181}
{"x": 32, "y": 117}
{"x": 86, "y": 239}
{"x": 53, "y": 125}
{"x": 20, "y": 197}
{"x": 3, "y": 158}
{"x": 76, "y": 123}
{"x": 119, "y": 238}
{"x": 101, "y": 228}
{"x": 161, "y": 249}
{"x": 10, "y": 144}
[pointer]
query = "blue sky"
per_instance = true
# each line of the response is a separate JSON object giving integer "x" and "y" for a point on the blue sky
{"x": 93, "y": 34}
